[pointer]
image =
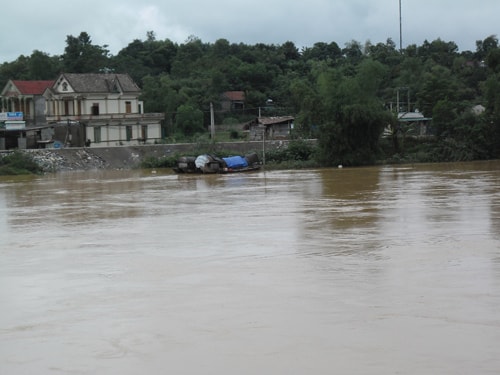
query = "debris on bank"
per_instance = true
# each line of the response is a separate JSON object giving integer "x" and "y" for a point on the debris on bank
{"x": 52, "y": 161}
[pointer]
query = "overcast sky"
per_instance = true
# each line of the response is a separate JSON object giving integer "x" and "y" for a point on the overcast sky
{"x": 44, "y": 25}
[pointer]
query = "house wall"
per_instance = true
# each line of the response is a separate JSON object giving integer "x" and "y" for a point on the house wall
{"x": 39, "y": 110}
{"x": 280, "y": 131}
{"x": 115, "y": 134}
{"x": 33, "y": 108}
{"x": 107, "y": 105}
{"x": 275, "y": 131}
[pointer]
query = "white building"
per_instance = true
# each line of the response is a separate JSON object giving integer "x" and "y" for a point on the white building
{"x": 106, "y": 108}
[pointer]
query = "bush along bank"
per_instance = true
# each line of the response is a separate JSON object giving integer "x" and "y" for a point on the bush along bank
{"x": 295, "y": 154}
{"x": 18, "y": 163}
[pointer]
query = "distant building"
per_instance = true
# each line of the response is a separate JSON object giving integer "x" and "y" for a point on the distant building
{"x": 26, "y": 97}
{"x": 277, "y": 127}
{"x": 233, "y": 100}
{"x": 415, "y": 123}
{"x": 22, "y": 113}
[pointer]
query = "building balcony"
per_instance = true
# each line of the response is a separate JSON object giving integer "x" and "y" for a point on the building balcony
{"x": 108, "y": 117}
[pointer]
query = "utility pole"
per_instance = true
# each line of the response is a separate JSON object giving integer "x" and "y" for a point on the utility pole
{"x": 400, "y": 29}
{"x": 212, "y": 122}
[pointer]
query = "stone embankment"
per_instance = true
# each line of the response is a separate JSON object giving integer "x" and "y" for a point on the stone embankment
{"x": 124, "y": 157}
{"x": 71, "y": 159}
{"x": 55, "y": 161}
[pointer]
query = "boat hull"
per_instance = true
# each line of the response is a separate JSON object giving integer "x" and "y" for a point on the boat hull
{"x": 210, "y": 164}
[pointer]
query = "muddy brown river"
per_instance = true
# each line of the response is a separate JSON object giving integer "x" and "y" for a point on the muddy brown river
{"x": 381, "y": 270}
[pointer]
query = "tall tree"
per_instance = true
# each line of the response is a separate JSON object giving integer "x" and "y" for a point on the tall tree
{"x": 189, "y": 120}
{"x": 483, "y": 47}
{"x": 81, "y": 56}
{"x": 354, "y": 115}
{"x": 41, "y": 66}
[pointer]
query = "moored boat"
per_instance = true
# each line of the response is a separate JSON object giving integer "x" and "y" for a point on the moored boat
{"x": 207, "y": 163}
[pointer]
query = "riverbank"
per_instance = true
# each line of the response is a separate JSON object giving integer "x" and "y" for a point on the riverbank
{"x": 128, "y": 157}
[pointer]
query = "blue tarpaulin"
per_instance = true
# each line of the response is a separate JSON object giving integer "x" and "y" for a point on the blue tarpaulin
{"x": 235, "y": 162}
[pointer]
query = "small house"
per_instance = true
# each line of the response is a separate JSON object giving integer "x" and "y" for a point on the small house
{"x": 233, "y": 101}
{"x": 277, "y": 127}
{"x": 414, "y": 123}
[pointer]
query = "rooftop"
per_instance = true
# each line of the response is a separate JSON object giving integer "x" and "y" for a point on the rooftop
{"x": 32, "y": 87}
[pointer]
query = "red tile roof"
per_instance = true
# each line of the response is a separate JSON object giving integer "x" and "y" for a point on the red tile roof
{"x": 32, "y": 87}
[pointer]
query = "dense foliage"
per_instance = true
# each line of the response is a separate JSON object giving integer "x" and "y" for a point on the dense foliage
{"x": 343, "y": 96}
{"x": 18, "y": 163}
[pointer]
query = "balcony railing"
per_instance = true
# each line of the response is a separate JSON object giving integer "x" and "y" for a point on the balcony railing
{"x": 108, "y": 116}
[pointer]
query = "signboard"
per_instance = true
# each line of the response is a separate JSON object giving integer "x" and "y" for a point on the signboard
{"x": 11, "y": 116}
{"x": 15, "y": 125}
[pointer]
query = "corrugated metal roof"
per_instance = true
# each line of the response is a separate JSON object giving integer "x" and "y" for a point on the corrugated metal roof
{"x": 412, "y": 116}
{"x": 274, "y": 120}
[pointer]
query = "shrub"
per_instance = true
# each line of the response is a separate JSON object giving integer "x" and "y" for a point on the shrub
{"x": 162, "y": 162}
{"x": 17, "y": 163}
{"x": 297, "y": 150}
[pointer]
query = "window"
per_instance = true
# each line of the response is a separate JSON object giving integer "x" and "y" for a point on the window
{"x": 95, "y": 109}
{"x": 144, "y": 131}
{"x": 128, "y": 107}
{"x": 128, "y": 131}
{"x": 97, "y": 134}
{"x": 65, "y": 86}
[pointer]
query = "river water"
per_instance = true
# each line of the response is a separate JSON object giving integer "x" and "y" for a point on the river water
{"x": 381, "y": 270}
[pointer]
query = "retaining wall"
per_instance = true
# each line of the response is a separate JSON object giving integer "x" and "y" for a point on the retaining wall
{"x": 122, "y": 157}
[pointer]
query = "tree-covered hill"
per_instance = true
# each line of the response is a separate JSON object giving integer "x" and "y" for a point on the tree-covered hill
{"x": 344, "y": 95}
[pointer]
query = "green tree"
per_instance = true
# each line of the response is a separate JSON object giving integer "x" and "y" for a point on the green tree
{"x": 439, "y": 51}
{"x": 492, "y": 116}
{"x": 81, "y": 56}
{"x": 444, "y": 118}
{"x": 189, "y": 120}
{"x": 322, "y": 51}
{"x": 483, "y": 47}
{"x": 306, "y": 102}
{"x": 493, "y": 60}
{"x": 356, "y": 116}
{"x": 290, "y": 51}
{"x": 18, "y": 69}
{"x": 42, "y": 66}
{"x": 188, "y": 58}
{"x": 437, "y": 84}
{"x": 353, "y": 51}
{"x": 385, "y": 53}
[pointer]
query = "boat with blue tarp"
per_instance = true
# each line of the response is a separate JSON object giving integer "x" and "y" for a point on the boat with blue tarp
{"x": 208, "y": 163}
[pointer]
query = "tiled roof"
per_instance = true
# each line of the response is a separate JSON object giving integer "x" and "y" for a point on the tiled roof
{"x": 107, "y": 82}
{"x": 32, "y": 87}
